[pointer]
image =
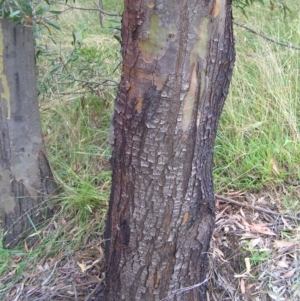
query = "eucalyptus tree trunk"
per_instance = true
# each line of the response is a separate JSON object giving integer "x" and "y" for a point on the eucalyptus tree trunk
{"x": 26, "y": 180}
{"x": 178, "y": 61}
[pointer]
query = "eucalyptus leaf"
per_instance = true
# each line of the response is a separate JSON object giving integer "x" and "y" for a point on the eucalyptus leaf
{"x": 51, "y": 23}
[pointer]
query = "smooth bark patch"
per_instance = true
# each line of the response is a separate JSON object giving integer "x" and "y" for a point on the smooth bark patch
{"x": 189, "y": 101}
{"x": 201, "y": 46}
{"x": 185, "y": 218}
{"x": 159, "y": 37}
{"x": 26, "y": 180}
{"x": 216, "y": 9}
{"x": 5, "y": 92}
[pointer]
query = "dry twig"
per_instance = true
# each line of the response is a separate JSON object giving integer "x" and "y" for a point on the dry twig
{"x": 288, "y": 45}
{"x": 257, "y": 208}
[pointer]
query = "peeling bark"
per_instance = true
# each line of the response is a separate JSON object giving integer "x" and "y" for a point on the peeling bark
{"x": 178, "y": 58}
{"x": 26, "y": 180}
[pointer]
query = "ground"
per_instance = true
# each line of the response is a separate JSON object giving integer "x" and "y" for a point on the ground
{"x": 253, "y": 256}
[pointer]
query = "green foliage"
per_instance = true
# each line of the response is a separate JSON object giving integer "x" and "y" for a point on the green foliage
{"x": 256, "y": 254}
{"x": 259, "y": 256}
{"x": 28, "y": 12}
{"x": 245, "y": 3}
{"x": 4, "y": 258}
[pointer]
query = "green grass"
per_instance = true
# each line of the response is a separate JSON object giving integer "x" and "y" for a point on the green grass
{"x": 257, "y": 145}
{"x": 258, "y": 142}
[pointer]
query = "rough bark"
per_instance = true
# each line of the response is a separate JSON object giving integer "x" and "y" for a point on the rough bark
{"x": 26, "y": 180}
{"x": 178, "y": 60}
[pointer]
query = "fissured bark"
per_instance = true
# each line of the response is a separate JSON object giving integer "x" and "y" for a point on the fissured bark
{"x": 178, "y": 61}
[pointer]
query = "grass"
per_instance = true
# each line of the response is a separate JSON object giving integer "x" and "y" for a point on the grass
{"x": 257, "y": 145}
{"x": 258, "y": 142}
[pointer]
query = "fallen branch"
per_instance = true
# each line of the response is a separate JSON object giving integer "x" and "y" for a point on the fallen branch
{"x": 184, "y": 289}
{"x": 20, "y": 292}
{"x": 257, "y": 208}
{"x": 51, "y": 274}
{"x": 93, "y": 291}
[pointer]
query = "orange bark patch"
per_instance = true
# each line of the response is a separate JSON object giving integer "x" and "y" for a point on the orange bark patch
{"x": 216, "y": 9}
{"x": 157, "y": 80}
{"x": 139, "y": 104}
{"x": 137, "y": 77}
{"x": 185, "y": 218}
{"x": 138, "y": 73}
{"x": 160, "y": 81}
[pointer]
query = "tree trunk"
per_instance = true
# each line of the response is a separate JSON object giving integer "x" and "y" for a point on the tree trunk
{"x": 26, "y": 180}
{"x": 178, "y": 61}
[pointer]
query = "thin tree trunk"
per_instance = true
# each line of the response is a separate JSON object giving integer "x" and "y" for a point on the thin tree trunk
{"x": 178, "y": 61}
{"x": 100, "y": 5}
{"x": 26, "y": 180}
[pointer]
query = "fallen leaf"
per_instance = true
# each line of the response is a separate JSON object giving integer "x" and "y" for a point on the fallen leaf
{"x": 243, "y": 288}
{"x": 254, "y": 242}
{"x": 82, "y": 267}
{"x": 277, "y": 281}
{"x": 287, "y": 224}
{"x": 261, "y": 200}
{"x": 239, "y": 225}
{"x": 219, "y": 252}
{"x": 233, "y": 193}
{"x": 282, "y": 263}
{"x": 279, "y": 244}
{"x": 221, "y": 213}
{"x": 275, "y": 167}
{"x": 249, "y": 286}
{"x": 261, "y": 228}
{"x": 46, "y": 266}
{"x": 26, "y": 247}
{"x": 55, "y": 226}
{"x": 242, "y": 213}
{"x": 274, "y": 296}
{"x": 239, "y": 275}
{"x": 246, "y": 224}
{"x": 248, "y": 265}
{"x": 289, "y": 274}
{"x": 248, "y": 235}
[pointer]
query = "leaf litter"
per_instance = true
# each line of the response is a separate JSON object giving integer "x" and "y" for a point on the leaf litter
{"x": 254, "y": 255}
{"x": 75, "y": 275}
